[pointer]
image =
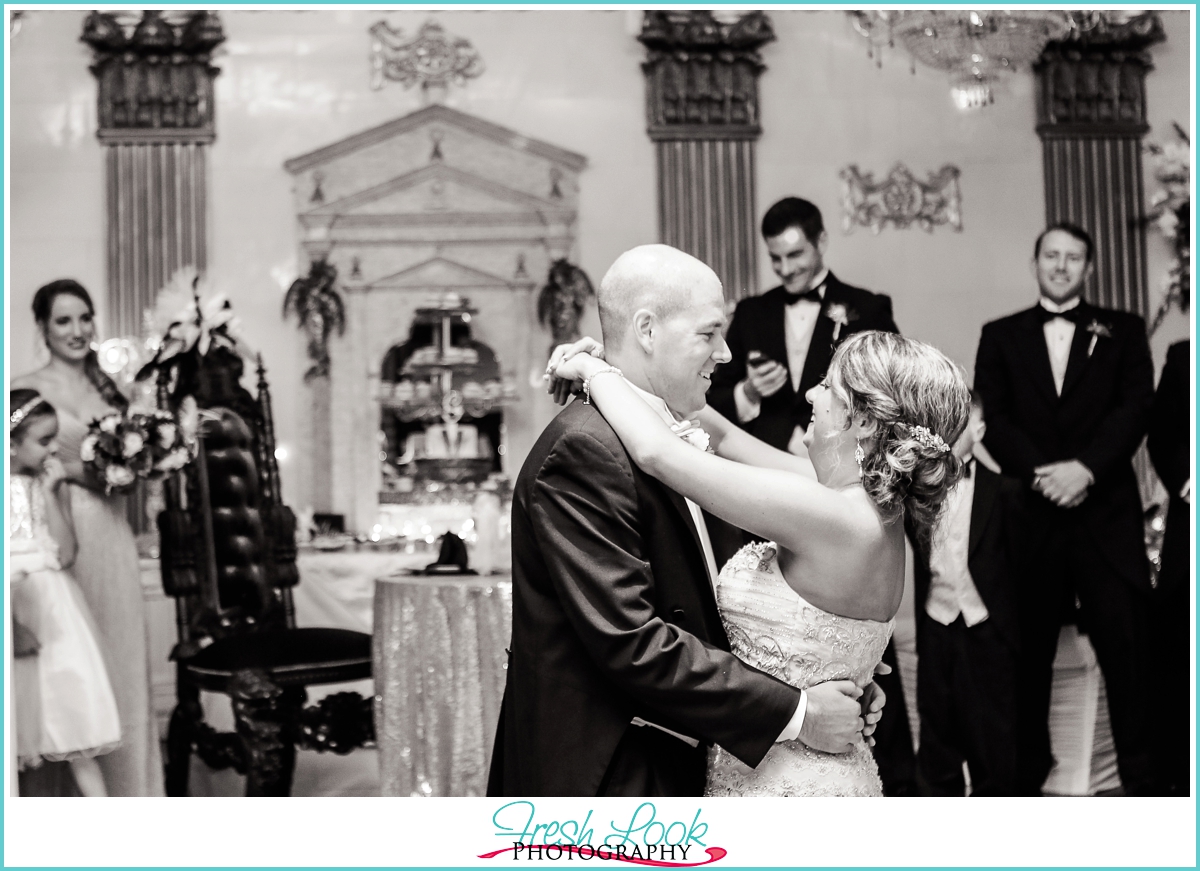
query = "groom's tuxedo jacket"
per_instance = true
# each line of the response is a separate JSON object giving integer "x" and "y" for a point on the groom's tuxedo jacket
{"x": 614, "y": 618}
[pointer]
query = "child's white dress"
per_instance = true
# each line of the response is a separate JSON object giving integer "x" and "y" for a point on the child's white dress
{"x": 65, "y": 705}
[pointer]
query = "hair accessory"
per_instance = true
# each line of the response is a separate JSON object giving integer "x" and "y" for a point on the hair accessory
{"x": 14, "y": 419}
{"x": 587, "y": 384}
{"x": 929, "y": 439}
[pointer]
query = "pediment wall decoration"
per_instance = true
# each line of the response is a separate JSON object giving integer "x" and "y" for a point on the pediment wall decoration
{"x": 437, "y": 202}
{"x": 441, "y": 273}
{"x": 434, "y": 179}
{"x": 439, "y": 187}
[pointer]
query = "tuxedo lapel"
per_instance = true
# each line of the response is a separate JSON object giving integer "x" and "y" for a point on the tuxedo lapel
{"x": 1038, "y": 355}
{"x": 981, "y": 506}
{"x": 820, "y": 349}
{"x": 771, "y": 335}
{"x": 708, "y": 594}
{"x": 681, "y": 506}
{"x": 1079, "y": 358}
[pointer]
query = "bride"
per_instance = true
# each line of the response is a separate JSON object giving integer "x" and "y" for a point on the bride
{"x": 816, "y": 601}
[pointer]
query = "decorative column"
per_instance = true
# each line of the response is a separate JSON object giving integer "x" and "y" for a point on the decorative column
{"x": 155, "y": 114}
{"x": 1091, "y": 119}
{"x": 702, "y": 72}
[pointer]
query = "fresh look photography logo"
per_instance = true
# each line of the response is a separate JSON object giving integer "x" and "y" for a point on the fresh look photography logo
{"x": 642, "y": 838}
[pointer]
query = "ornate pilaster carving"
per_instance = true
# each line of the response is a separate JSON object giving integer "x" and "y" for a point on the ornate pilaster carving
{"x": 155, "y": 114}
{"x": 1091, "y": 113}
{"x": 702, "y": 112}
{"x": 155, "y": 75}
{"x": 1094, "y": 82}
{"x": 702, "y": 74}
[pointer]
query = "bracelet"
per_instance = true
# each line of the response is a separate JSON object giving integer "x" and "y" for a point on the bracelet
{"x": 587, "y": 384}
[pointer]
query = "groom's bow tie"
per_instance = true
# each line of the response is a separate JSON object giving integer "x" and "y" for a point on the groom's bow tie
{"x": 1073, "y": 315}
{"x": 813, "y": 295}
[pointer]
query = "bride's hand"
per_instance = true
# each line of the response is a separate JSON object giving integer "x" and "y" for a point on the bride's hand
{"x": 586, "y": 345}
{"x": 561, "y": 375}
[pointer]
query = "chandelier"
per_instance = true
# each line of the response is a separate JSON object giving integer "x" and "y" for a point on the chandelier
{"x": 973, "y": 46}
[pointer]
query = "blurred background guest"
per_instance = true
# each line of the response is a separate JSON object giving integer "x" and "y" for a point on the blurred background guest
{"x": 65, "y": 706}
{"x": 106, "y": 565}
{"x": 1169, "y": 443}
{"x": 1067, "y": 387}
{"x": 967, "y": 632}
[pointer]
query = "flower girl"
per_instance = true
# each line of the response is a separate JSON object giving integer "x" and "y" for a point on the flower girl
{"x": 65, "y": 705}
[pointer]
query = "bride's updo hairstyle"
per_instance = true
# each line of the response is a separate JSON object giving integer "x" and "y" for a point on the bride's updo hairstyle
{"x": 920, "y": 403}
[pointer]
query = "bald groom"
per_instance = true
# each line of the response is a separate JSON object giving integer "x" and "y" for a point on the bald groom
{"x": 620, "y": 674}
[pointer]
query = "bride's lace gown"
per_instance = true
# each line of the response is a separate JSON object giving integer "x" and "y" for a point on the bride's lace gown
{"x": 773, "y": 629}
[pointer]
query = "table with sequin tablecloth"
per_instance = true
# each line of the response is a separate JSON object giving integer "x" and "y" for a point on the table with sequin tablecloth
{"x": 440, "y": 661}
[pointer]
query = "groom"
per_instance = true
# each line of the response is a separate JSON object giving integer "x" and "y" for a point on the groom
{"x": 620, "y": 674}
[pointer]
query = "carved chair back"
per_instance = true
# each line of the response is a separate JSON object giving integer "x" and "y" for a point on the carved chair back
{"x": 228, "y": 541}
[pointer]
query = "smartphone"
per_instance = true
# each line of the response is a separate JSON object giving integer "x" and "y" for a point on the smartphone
{"x": 757, "y": 358}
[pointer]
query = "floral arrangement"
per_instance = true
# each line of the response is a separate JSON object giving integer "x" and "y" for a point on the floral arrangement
{"x": 1098, "y": 331}
{"x": 125, "y": 448}
{"x": 692, "y": 433}
{"x": 841, "y": 317}
{"x": 1170, "y": 213}
{"x": 319, "y": 309}
{"x": 188, "y": 320}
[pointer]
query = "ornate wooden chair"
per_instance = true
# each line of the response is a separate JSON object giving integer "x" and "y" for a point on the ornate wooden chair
{"x": 229, "y": 560}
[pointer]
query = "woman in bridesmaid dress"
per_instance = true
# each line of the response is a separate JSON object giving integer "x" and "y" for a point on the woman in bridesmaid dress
{"x": 106, "y": 566}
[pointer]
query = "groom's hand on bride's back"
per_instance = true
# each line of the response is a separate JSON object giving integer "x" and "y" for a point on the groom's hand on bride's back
{"x": 833, "y": 721}
{"x": 872, "y": 702}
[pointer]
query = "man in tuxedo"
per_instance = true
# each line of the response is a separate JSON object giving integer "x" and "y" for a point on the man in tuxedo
{"x": 780, "y": 345}
{"x": 620, "y": 673}
{"x": 965, "y": 575}
{"x": 1067, "y": 387}
{"x": 1169, "y": 442}
{"x": 781, "y": 342}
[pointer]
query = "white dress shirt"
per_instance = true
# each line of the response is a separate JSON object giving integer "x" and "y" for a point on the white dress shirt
{"x": 792, "y": 730}
{"x": 951, "y": 588}
{"x": 800, "y": 320}
{"x": 1060, "y": 333}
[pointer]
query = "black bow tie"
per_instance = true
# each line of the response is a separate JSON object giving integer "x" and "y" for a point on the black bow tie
{"x": 968, "y": 467}
{"x": 813, "y": 295}
{"x": 1074, "y": 315}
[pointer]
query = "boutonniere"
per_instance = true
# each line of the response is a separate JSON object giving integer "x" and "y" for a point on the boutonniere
{"x": 841, "y": 316}
{"x": 693, "y": 434}
{"x": 1097, "y": 330}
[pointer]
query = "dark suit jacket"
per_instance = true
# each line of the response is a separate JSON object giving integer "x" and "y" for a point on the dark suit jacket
{"x": 995, "y": 551}
{"x": 614, "y": 617}
{"x": 759, "y": 325}
{"x": 1168, "y": 443}
{"x": 1099, "y": 420}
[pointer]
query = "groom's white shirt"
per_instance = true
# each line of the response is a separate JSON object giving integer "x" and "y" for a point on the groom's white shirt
{"x": 792, "y": 731}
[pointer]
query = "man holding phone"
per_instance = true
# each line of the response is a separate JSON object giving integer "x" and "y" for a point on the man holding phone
{"x": 783, "y": 340}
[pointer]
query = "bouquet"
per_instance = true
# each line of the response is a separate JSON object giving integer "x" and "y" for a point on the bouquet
{"x": 125, "y": 448}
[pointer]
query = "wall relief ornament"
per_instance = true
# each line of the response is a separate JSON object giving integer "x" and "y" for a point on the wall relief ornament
{"x": 318, "y": 307}
{"x": 154, "y": 73}
{"x": 561, "y": 301}
{"x": 432, "y": 58}
{"x": 901, "y": 199}
{"x": 1094, "y": 80}
{"x": 702, "y": 72}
